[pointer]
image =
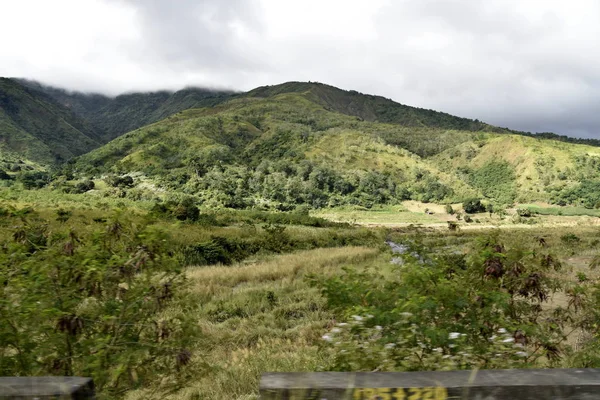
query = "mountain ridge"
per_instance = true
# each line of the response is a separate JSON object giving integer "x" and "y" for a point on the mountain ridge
{"x": 281, "y": 148}
{"x": 97, "y": 119}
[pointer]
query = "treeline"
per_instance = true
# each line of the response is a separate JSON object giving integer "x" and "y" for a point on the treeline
{"x": 560, "y": 138}
{"x": 283, "y": 185}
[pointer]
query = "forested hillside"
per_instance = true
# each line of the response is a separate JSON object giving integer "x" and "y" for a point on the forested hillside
{"x": 292, "y": 144}
{"x": 280, "y": 147}
{"x": 35, "y": 126}
{"x": 371, "y": 108}
{"x": 113, "y": 116}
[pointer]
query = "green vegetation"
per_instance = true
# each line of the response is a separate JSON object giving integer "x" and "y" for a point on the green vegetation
{"x": 587, "y": 194}
{"x": 439, "y": 311}
{"x": 563, "y": 211}
{"x": 50, "y": 126}
{"x": 90, "y": 303}
{"x": 34, "y": 126}
{"x": 253, "y": 290}
{"x": 184, "y": 258}
{"x": 362, "y": 150}
{"x": 473, "y": 206}
{"x": 110, "y": 117}
{"x": 496, "y": 180}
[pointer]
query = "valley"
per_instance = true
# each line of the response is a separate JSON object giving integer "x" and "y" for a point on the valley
{"x": 175, "y": 245}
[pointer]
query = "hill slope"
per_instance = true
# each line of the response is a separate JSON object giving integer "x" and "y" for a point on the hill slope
{"x": 371, "y": 108}
{"x": 282, "y": 149}
{"x": 295, "y": 143}
{"x": 35, "y": 126}
{"x": 113, "y": 116}
{"x": 48, "y": 125}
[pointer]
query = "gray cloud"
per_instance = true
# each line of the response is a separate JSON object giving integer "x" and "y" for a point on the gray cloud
{"x": 196, "y": 34}
{"x": 524, "y": 64}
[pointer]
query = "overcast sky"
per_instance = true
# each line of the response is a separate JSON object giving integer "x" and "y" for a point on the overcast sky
{"x": 532, "y": 65}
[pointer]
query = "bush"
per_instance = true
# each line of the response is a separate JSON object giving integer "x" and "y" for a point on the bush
{"x": 449, "y": 209}
{"x": 34, "y": 180}
{"x": 120, "y": 181}
{"x": 491, "y": 316}
{"x": 218, "y": 250}
{"x": 186, "y": 210}
{"x": 91, "y": 304}
{"x": 4, "y": 176}
{"x": 473, "y": 206}
{"x": 570, "y": 239}
{"x": 85, "y": 186}
{"x": 524, "y": 212}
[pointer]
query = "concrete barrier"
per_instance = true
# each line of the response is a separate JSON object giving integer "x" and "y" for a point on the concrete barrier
{"x": 46, "y": 387}
{"x": 538, "y": 384}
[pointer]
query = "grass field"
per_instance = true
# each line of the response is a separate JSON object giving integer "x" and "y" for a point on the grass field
{"x": 378, "y": 215}
{"x": 258, "y": 317}
{"x": 562, "y": 211}
{"x": 262, "y": 314}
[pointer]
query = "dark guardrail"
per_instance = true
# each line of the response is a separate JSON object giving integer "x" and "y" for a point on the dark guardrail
{"x": 46, "y": 387}
{"x": 530, "y": 384}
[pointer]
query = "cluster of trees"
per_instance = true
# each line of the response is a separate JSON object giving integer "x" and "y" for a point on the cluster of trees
{"x": 286, "y": 185}
{"x": 587, "y": 194}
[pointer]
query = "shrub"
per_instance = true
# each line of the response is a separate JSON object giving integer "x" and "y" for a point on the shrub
{"x": 570, "y": 238}
{"x": 85, "y": 186}
{"x": 120, "y": 181}
{"x": 186, "y": 211}
{"x": 492, "y": 315}
{"x": 4, "y": 176}
{"x": 35, "y": 179}
{"x": 449, "y": 209}
{"x": 91, "y": 304}
{"x": 472, "y": 206}
{"x": 524, "y": 212}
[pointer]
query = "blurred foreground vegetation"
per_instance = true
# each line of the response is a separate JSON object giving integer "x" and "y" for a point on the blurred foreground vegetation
{"x": 170, "y": 300}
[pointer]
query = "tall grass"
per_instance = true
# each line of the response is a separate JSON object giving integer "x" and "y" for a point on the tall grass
{"x": 255, "y": 318}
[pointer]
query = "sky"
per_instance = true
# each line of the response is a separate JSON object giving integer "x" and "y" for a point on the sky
{"x": 532, "y": 65}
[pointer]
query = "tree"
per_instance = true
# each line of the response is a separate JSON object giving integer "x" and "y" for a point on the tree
{"x": 34, "y": 179}
{"x": 4, "y": 176}
{"x": 187, "y": 211}
{"x": 472, "y": 206}
{"x": 120, "y": 181}
{"x": 85, "y": 186}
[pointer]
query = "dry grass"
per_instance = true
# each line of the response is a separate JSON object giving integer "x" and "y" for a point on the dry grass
{"x": 255, "y": 318}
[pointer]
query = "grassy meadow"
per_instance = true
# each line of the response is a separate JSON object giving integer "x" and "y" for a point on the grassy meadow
{"x": 257, "y": 233}
{"x": 257, "y": 291}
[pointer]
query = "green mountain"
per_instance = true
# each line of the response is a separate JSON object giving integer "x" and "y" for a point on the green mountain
{"x": 113, "y": 116}
{"x": 35, "y": 126}
{"x": 47, "y": 125}
{"x": 371, "y": 108}
{"x": 297, "y": 143}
